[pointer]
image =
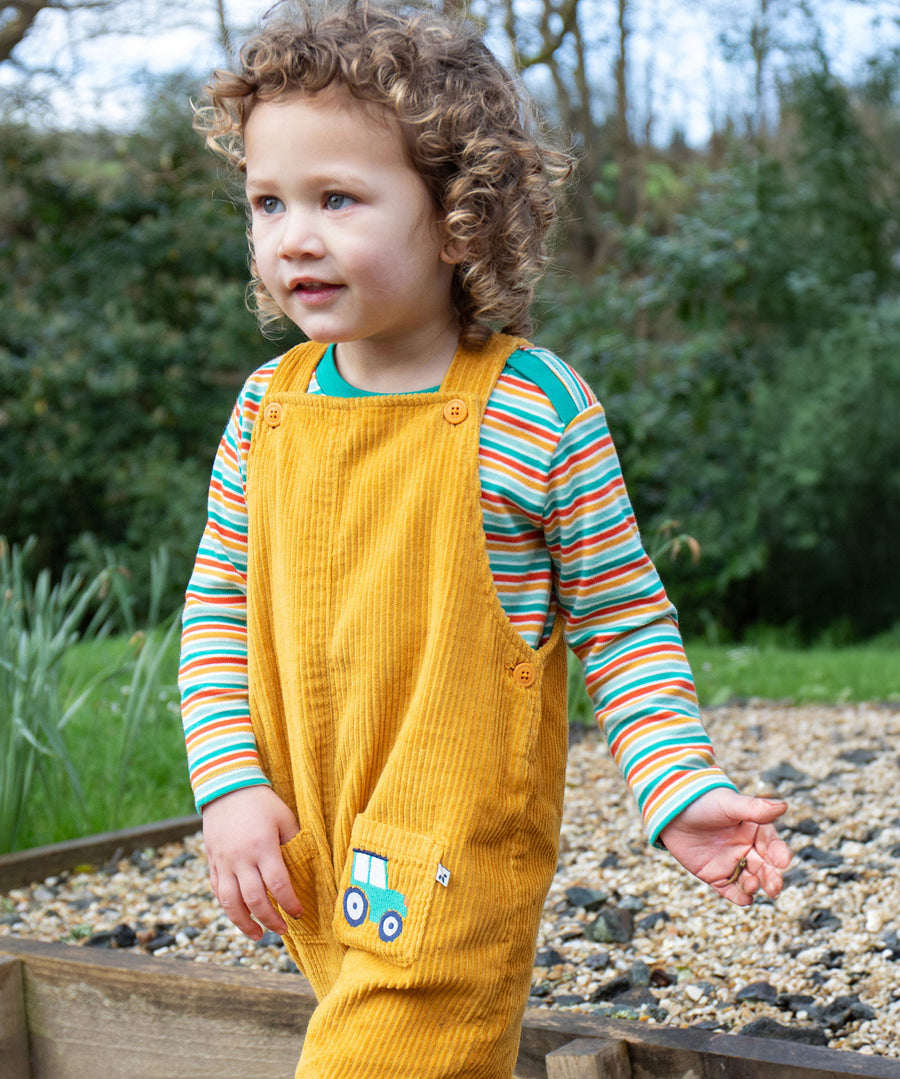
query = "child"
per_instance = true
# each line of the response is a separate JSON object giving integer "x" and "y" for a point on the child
{"x": 409, "y": 519}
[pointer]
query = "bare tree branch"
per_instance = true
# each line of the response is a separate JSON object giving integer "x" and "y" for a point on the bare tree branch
{"x": 16, "y": 19}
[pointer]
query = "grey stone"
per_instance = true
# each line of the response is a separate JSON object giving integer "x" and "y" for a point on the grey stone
{"x": 844, "y": 1010}
{"x": 589, "y": 899}
{"x": 820, "y": 918}
{"x": 859, "y": 756}
{"x": 783, "y": 773}
{"x": 768, "y": 1028}
{"x": 614, "y": 925}
{"x": 597, "y": 961}
{"x": 639, "y": 974}
{"x": 651, "y": 921}
{"x": 763, "y": 992}
{"x": 825, "y": 858}
{"x": 612, "y": 990}
{"x": 164, "y": 940}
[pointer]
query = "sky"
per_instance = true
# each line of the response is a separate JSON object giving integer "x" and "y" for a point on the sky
{"x": 677, "y": 69}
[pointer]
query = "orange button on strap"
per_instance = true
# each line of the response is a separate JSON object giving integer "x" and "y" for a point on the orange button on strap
{"x": 524, "y": 674}
{"x": 455, "y": 411}
{"x": 272, "y": 414}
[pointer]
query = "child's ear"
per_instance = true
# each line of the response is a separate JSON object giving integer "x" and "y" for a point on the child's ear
{"x": 453, "y": 252}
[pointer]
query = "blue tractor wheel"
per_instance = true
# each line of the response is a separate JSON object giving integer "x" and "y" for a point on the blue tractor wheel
{"x": 390, "y": 927}
{"x": 356, "y": 906}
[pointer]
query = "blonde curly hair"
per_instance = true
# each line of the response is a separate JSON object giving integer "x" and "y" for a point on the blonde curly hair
{"x": 466, "y": 123}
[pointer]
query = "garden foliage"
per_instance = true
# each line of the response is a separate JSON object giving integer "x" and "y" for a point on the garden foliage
{"x": 743, "y": 335}
{"x": 747, "y": 351}
{"x": 124, "y": 339}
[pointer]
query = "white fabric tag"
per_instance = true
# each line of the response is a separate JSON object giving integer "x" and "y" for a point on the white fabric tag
{"x": 443, "y": 875}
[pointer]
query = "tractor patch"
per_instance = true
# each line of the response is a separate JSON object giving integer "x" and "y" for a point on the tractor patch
{"x": 369, "y": 896}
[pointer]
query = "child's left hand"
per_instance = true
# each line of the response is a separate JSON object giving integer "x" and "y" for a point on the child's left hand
{"x": 728, "y": 841}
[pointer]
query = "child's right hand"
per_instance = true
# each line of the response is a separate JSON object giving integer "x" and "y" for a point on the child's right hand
{"x": 243, "y": 832}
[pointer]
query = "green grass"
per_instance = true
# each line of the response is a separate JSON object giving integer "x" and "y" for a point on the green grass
{"x": 818, "y": 674}
{"x": 90, "y": 734}
{"x": 130, "y": 761}
{"x": 771, "y": 666}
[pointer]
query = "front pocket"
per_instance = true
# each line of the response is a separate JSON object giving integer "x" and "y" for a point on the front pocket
{"x": 387, "y": 889}
{"x": 304, "y": 865}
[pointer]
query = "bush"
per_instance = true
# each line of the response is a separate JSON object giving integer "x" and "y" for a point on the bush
{"x": 124, "y": 340}
{"x": 749, "y": 361}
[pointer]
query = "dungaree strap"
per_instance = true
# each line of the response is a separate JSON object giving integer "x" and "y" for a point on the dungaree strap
{"x": 296, "y": 367}
{"x": 476, "y": 371}
{"x": 472, "y": 371}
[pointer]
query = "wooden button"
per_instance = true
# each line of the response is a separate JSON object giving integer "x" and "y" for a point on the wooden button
{"x": 524, "y": 674}
{"x": 455, "y": 411}
{"x": 272, "y": 414}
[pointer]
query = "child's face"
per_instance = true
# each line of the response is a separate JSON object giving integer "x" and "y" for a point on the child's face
{"x": 346, "y": 237}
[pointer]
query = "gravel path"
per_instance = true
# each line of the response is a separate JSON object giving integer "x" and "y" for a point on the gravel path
{"x": 625, "y": 932}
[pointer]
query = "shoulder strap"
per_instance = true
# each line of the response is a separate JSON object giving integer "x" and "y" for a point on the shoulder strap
{"x": 476, "y": 371}
{"x": 295, "y": 368}
{"x": 532, "y": 366}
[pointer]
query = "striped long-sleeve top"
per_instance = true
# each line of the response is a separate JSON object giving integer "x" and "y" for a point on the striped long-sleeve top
{"x": 561, "y": 537}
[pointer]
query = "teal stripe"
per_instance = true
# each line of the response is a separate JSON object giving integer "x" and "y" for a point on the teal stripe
{"x": 534, "y": 367}
{"x": 233, "y": 745}
{"x": 220, "y": 713}
{"x": 685, "y": 797}
{"x": 202, "y": 618}
{"x": 212, "y": 792}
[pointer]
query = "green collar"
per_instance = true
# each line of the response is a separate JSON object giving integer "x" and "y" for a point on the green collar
{"x": 332, "y": 384}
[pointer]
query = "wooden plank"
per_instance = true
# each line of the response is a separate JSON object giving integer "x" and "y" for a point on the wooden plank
{"x": 590, "y": 1058}
{"x": 125, "y": 1016}
{"x": 661, "y": 1052}
{"x": 25, "y": 866}
{"x": 14, "y": 1062}
{"x": 118, "y": 1015}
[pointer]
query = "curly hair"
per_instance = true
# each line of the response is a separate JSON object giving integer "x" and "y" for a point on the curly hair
{"x": 467, "y": 126}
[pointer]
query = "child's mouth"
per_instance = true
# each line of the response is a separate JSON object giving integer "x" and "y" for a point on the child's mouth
{"x": 315, "y": 291}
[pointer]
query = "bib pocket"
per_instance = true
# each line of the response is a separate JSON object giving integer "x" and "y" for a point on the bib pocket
{"x": 304, "y": 865}
{"x": 386, "y": 890}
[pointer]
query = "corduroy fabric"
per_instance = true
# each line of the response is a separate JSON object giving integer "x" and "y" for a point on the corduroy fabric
{"x": 392, "y": 713}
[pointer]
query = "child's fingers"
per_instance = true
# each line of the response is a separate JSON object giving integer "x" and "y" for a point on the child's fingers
{"x": 278, "y": 883}
{"x": 763, "y": 810}
{"x": 231, "y": 899}
{"x": 773, "y": 849}
{"x": 255, "y": 894}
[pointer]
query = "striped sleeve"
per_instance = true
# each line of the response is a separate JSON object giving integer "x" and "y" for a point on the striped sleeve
{"x": 215, "y": 707}
{"x": 623, "y": 628}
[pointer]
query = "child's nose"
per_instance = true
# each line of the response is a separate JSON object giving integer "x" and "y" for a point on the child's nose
{"x": 300, "y": 238}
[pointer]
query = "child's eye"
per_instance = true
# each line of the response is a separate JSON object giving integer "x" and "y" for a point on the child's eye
{"x": 268, "y": 205}
{"x": 337, "y": 201}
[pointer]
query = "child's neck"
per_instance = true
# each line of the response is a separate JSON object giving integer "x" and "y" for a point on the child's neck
{"x": 416, "y": 366}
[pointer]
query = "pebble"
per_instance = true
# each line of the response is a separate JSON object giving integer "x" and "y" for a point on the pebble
{"x": 827, "y": 949}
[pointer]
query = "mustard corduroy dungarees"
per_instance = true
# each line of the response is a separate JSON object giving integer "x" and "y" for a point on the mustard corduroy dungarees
{"x": 419, "y": 740}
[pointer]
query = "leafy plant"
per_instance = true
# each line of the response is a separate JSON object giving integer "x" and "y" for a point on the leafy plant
{"x": 39, "y": 623}
{"x": 67, "y": 767}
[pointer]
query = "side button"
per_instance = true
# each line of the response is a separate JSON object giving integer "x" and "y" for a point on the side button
{"x": 524, "y": 674}
{"x": 455, "y": 411}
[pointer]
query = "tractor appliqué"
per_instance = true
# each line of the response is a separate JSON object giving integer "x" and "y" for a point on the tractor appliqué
{"x": 369, "y": 894}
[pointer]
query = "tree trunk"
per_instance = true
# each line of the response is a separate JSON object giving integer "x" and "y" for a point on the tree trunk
{"x": 623, "y": 142}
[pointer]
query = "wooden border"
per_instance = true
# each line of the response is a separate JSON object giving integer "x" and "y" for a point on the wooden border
{"x": 25, "y": 866}
{"x": 67, "y": 1012}
{"x": 127, "y": 1016}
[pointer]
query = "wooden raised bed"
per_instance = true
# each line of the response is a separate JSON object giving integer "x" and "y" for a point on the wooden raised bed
{"x": 74, "y": 1013}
